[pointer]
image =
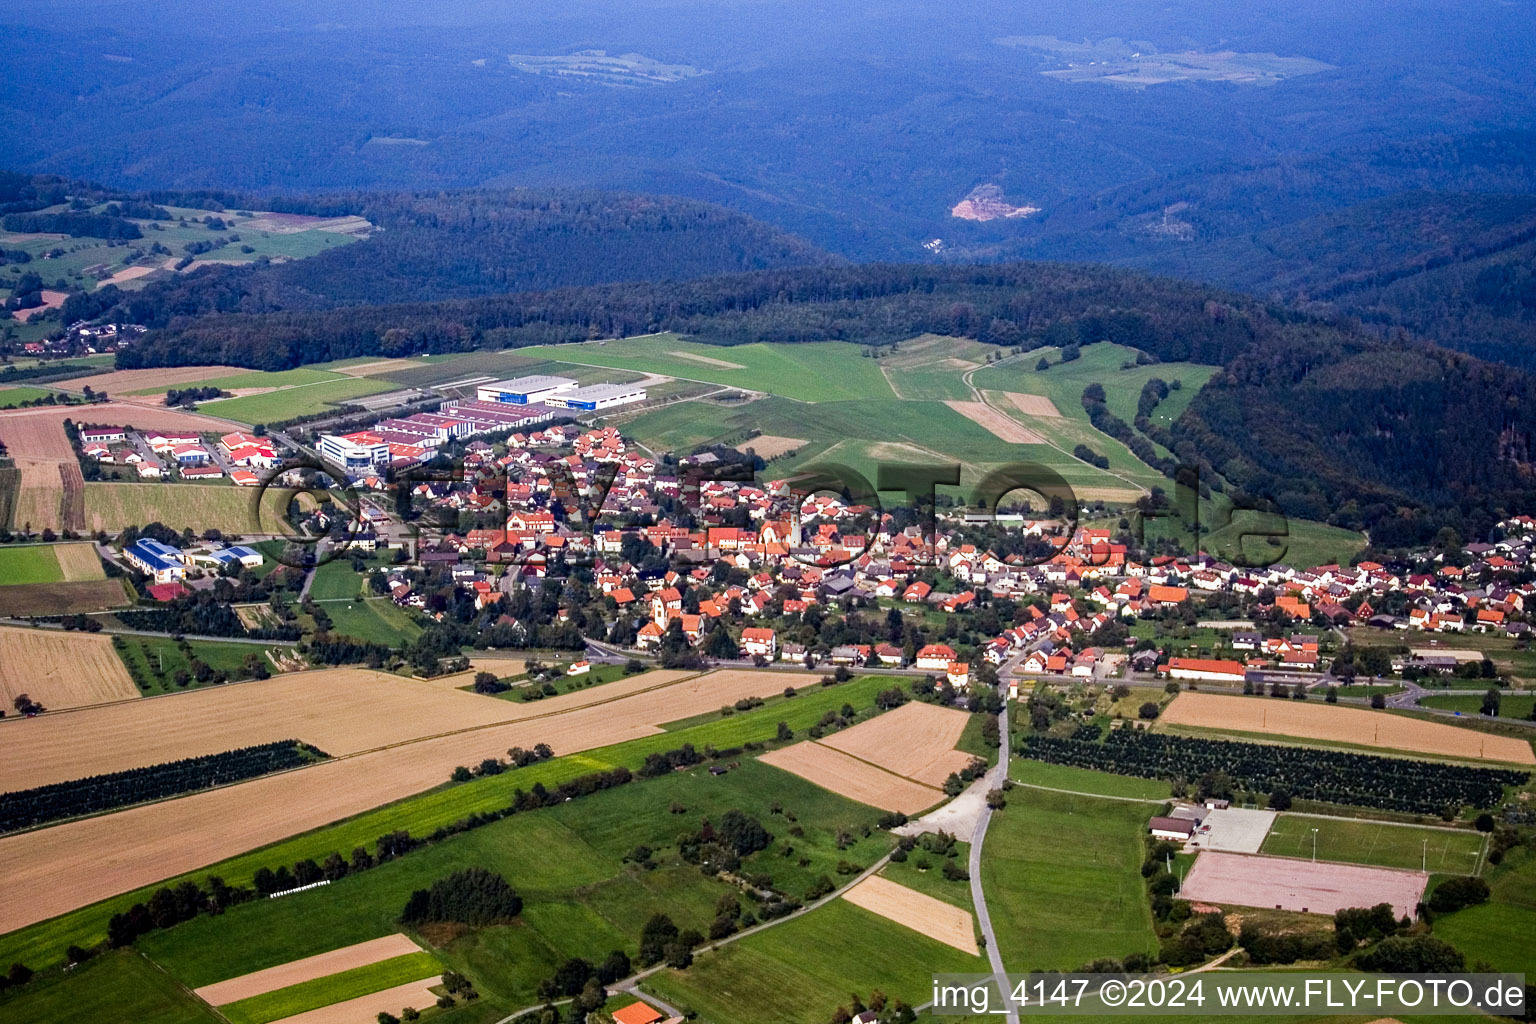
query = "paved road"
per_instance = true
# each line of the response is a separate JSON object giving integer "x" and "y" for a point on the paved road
{"x": 996, "y": 777}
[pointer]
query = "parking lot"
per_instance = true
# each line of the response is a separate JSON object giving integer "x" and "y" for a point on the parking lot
{"x": 1234, "y": 830}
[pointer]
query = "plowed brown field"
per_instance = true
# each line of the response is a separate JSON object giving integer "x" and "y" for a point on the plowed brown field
{"x": 1343, "y": 725}
{"x": 58, "y": 670}
{"x": 322, "y": 965}
{"x": 363, "y": 1009}
{"x": 80, "y": 862}
{"x": 918, "y": 911}
{"x": 847, "y": 776}
{"x": 915, "y": 740}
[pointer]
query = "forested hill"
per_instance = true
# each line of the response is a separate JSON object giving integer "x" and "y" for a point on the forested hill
{"x": 1324, "y": 418}
{"x": 430, "y": 246}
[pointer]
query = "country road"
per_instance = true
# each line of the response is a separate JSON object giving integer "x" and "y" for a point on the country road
{"x": 996, "y": 777}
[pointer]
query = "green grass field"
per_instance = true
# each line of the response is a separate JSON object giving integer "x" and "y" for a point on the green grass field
{"x": 1085, "y": 780}
{"x": 1063, "y": 881}
{"x": 44, "y": 942}
{"x": 821, "y": 371}
{"x": 1510, "y": 706}
{"x": 1499, "y": 931}
{"x": 359, "y": 981}
{"x": 335, "y": 580}
{"x": 804, "y": 969}
{"x": 930, "y": 879}
{"x": 117, "y": 988}
{"x": 1371, "y": 842}
{"x": 155, "y": 660}
{"x": 256, "y": 379}
{"x": 376, "y": 620}
{"x": 29, "y": 565}
{"x": 12, "y": 397}
{"x": 301, "y": 400}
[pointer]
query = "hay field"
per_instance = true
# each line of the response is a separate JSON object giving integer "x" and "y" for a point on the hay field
{"x": 1033, "y": 405}
{"x": 915, "y": 740}
{"x": 918, "y": 911}
{"x": 997, "y": 423}
{"x": 62, "y": 867}
{"x": 1307, "y": 720}
{"x": 113, "y": 506}
{"x": 79, "y": 562}
{"x": 162, "y": 378}
{"x": 847, "y": 776}
{"x": 294, "y": 972}
{"x": 59, "y": 670}
{"x": 341, "y": 711}
{"x": 417, "y": 994}
{"x": 770, "y": 445}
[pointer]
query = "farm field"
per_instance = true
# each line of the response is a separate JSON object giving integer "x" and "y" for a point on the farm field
{"x": 287, "y": 403}
{"x": 1062, "y": 875}
{"x": 440, "y": 370}
{"x": 1358, "y": 841}
{"x": 1499, "y": 931}
{"x": 375, "y": 979}
{"x": 66, "y": 598}
{"x": 113, "y": 506}
{"x": 361, "y": 1008}
{"x": 924, "y": 914}
{"x": 1307, "y": 720}
{"x": 59, "y": 670}
{"x": 10, "y": 397}
{"x": 848, "y": 776}
{"x": 810, "y": 372}
{"x": 151, "y": 842}
{"x": 422, "y": 813}
{"x": 930, "y": 367}
{"x": 550, "y": 855}
{"x": 29, "y": 564}
{"x": 377, "y": 620}
{"x": 152, "y": 381}
{"x": 807, "y": 967}
{"x": 154, "y": 661}
{"x": 915, "y": 740}
{"x": 321, "y": 965}
{"x": 121, "y": 987}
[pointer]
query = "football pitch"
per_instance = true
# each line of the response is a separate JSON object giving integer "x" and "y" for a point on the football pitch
{"x": 1378, "y": 843}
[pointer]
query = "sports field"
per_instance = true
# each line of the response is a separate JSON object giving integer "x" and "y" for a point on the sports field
{"x": 1300, "y": 885}
{"x": 1062, "y": 876}
{"x": 1356, "y": 841}
{"x": 1309, "y": 720}
{"x": 805, "y": 968}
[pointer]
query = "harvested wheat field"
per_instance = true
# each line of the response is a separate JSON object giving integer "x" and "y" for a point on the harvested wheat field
{"x": 770, "y": 445}
{"x": 915, "y": 910}
{"x": 707, "y": 360}
{"x": 120, "y": 382}
{"x": 998, "y": 424}
{"x": 62, "y": 866}
{"x": 59, "y": 670}
{"x": 378, "y": 367}
{"x": 51, "y": 300}
{"x": 341, "y": 711}
{"x": 79, "y": 562}
{"x": 915, "y": 740}
{"x": 366, "y": 1009}
{"x": 848, "y": 776}
{"x": 1342, "y": 725}
{"x": 1033, "y": 405}
{"x": 321, "y": 965}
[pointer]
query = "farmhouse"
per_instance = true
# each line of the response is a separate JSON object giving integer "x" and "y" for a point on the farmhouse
{"x": 1211, "y": 670}
{"x": 757, "y": 641}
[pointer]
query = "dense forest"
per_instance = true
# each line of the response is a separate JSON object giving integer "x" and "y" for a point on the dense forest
{"x": 1324, "y": 418}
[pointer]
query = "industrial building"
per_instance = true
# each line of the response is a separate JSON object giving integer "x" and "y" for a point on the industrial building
{"x": 357, "y": 452}
{"x": 524, "y": 390}
{"x": 598, "y": 396}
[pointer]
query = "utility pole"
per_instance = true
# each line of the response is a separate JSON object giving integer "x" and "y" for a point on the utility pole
{"x": 1424, "y": 858}
{"x": 1314, "y": 846}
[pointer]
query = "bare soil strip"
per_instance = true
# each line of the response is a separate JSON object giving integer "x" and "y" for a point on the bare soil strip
{"x": 59, "y": 670}
{"x": 997, "y": 423}
{"x": 1033, "y": 405}
{"x": 857, "y": 780}
{"x": 1343, "y": 725}
{"x": 80, "y": 862}
{"x": 416, "y": 994}
{"x": 708, "y": 360}
{"x": 1307, "y": 886}
{"x": 915, "y": 740}
{"x": 321, "y": 965}
{"x": 915, "y": 910}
